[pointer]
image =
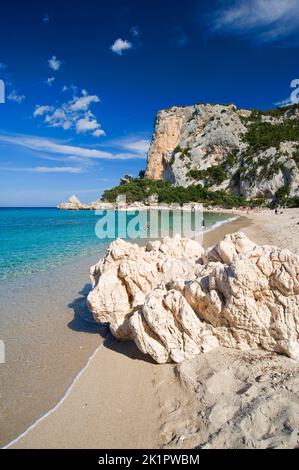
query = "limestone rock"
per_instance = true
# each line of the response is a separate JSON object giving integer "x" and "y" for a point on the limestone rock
{"x": 175, "y": 325}
{"x": 228, "y": 248}
{"x": 74, "y": 204}
{"x": 123, "y": 278}
{"x": 252, "y": 302}
{"x": 175, "y": 300}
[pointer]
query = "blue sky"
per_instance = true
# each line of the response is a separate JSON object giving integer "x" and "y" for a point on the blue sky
{"x": 84, "y": 80}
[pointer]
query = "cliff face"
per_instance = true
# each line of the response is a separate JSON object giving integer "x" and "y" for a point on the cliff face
{"x": 251, "y": 153}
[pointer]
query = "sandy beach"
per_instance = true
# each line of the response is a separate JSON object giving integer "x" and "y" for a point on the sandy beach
{"x": 121, "y": 399}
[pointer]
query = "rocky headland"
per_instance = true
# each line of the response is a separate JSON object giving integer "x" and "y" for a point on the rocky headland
{"x": 244, "y": 152}
{"x": 216, "y": 155}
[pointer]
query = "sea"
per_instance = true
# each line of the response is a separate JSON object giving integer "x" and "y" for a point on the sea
{"x": 39, "y": 239}
{"x": 47, "y": 333}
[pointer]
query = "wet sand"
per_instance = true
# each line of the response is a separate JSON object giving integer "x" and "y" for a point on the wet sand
{"x": 49, "y": 335}
{"x": 213, "y": 236}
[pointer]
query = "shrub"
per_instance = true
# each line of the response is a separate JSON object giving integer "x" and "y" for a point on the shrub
{"x": 138, "y": 190}
{"x": 263, "y": 135}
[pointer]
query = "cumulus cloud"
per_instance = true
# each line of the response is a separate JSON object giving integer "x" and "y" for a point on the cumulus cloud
{"x": 89, "y": 124}
{"x": 74, "y": 114}
{"x": 98, "y": 133}
{"x": 50, "y": 81}
{"x": 71, "y": 88}
{"x": 82, "y": 103}
{"x": 41, "y": 110}
{"x": 14, "y": 96}
{"x": 54, "y": 63}
{"x": 120, "y": 45}
{"x": 266, "y": 20}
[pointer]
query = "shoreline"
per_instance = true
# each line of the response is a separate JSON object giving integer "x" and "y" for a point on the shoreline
{"x": 110, "y": 412}
{"x": 41, "y": 325}
{"x": 103, "y": 355}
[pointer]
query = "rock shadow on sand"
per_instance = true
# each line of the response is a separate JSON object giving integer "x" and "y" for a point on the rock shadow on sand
{"x": 83, "y": 321}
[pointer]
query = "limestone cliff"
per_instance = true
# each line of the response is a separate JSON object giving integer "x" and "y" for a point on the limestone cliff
{"x": 250, "y": 153}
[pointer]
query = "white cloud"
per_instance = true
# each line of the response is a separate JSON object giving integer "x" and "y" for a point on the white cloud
{"x": 54, "y": 63}
{"x": 13, "y": 96}
{"x": 74, "y": 114}
{"x": 41, "y": 110}
{"x": 83, "y": 103}
{"x": 132, "y": 143}
{"x": 98, "y": 133}
{"x": 86, "y": 124}
{"x": 58, "y": 169}
{"x": 267, "y": 20}
{"x": 140, "y": 146}
{"x": 120, "y": 45}
{"x": 45, "y": 169}
{"x": 72, "y": 88}
{"x": 50, "y": 81}
{"x": 42, "y": 145}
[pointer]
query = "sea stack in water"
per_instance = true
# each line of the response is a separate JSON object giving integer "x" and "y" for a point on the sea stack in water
{"x": 176, "y": 300}
{"x": 74, "y": 204}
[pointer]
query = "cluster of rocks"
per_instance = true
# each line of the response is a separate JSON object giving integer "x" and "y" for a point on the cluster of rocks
{"x": 176, "y": 300}
{"x": 74, "y": 204}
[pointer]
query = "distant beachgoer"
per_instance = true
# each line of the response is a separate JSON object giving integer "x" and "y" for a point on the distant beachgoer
{"x": 276, "y": 211}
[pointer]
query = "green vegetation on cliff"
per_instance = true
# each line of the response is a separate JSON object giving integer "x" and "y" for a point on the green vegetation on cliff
{"x": 140, "y": 189}
{"x": 263, "y": 135}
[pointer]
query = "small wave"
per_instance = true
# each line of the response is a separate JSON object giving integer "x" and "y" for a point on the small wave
{"x": 220, "y": 222}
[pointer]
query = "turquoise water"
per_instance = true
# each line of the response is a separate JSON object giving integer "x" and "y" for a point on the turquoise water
{"x": 33, "y": 240}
